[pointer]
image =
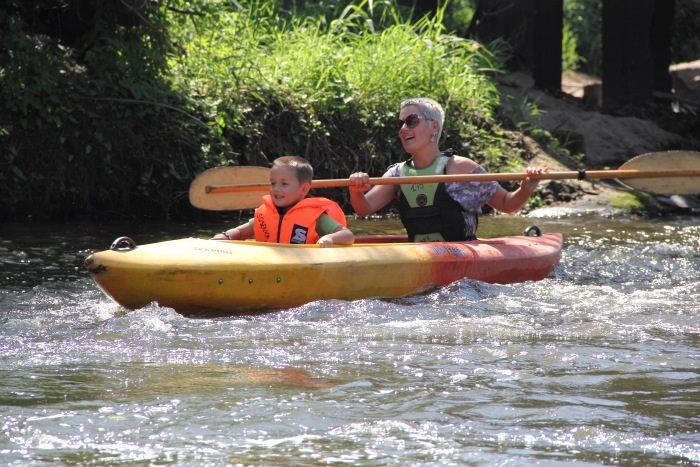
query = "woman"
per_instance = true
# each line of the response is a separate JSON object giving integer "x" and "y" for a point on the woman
{"x": 435, "y": 211}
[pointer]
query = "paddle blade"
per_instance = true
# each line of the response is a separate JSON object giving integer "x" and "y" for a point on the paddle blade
{"x": 244, "y": 175}
{"x": 660, "y": 161}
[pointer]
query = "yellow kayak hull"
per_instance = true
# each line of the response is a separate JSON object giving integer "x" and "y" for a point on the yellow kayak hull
{"x": 231, "y": 277}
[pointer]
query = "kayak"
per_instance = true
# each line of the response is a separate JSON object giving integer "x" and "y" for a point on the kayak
{"x": 195, "y": 276}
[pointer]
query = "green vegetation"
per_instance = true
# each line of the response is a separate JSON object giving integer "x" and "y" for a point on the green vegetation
{"x": 109, "y": 109}
{"x": 583, "y": 41}
{"x": 583, "y": 23}
{"x": 121, "y": 124}
{"x": 635, "y": 202}
{"x": 89, "y": 125}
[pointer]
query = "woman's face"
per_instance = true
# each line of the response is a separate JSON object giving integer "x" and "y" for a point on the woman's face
{"x": 285, "y": 189}
{"x": 418, "y": 137}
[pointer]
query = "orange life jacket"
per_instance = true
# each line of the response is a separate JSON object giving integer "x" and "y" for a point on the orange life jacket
{"x": 298, "y": 225}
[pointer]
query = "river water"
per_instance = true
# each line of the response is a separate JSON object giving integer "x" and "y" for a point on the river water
{"x": 598, "y": 364}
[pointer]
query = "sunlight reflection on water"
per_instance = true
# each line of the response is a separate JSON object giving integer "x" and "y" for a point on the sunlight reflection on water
{"x": 596, "y": 365}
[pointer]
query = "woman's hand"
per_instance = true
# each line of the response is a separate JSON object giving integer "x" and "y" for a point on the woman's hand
{"x": 530, "y": 184}
{"x": 360, "y": 182}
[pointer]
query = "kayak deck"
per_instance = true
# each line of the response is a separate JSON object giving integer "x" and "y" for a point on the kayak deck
{"x": 234, "y": 277}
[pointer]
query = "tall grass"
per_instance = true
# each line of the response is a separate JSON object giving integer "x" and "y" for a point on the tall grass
{"x": 119, "y": 117}
{"x": 329, "y": 90}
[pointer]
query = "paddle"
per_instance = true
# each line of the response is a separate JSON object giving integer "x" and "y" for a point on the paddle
{"x": 664, "y": 173}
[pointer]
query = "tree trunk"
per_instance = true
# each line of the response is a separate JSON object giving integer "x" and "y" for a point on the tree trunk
{"x": 628, "y": 64}
{"x": 532, "y": 29}
{"x": 661, "y": 34}
{"x": 548, "y": 32}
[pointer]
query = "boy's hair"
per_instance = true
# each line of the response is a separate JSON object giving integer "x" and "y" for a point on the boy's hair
{"x": 304, "y": 170}
{"x": 430, "y": 109}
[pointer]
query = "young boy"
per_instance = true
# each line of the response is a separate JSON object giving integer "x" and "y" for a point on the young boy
{"x": 288, "y": 216}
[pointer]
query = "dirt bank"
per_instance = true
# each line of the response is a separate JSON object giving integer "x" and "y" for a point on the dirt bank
{"x": 605, "y": 139}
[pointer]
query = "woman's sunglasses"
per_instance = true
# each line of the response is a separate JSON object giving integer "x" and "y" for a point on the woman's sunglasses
{"x": 411, "y": 121}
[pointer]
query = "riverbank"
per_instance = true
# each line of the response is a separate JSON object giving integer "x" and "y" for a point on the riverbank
{"x": 603, "y": 197}
{"x": 606, "y": 139}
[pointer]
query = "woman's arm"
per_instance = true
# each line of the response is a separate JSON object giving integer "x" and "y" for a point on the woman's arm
{"x": 509, "y": 202}
{"x": 366, "y": 202}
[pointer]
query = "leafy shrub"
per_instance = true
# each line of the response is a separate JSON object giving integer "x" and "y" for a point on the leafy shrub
{"x": 583, "y": 40}
{"x": 88, "y": 125}
{"x": 110, "y": 109}
{"x": 329, "y": 89}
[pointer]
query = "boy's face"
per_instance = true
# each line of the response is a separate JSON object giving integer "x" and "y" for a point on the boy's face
{"x": 285, "y": 189}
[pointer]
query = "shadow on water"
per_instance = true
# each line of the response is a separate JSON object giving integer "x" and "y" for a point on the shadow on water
{"x": 66, "y": 384}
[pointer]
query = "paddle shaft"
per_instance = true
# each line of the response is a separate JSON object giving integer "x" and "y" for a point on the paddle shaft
{"x": 486, "y": 177}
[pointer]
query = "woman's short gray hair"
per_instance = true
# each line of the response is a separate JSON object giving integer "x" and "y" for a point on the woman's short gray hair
{"x": 430, "y": 109}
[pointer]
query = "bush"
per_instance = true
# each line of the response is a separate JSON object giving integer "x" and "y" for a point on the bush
{"x": 583, "y": 40}
{"x": 111, "y": 110}
{"x": 89, "y": 127}
{"x": 329, "y": 89}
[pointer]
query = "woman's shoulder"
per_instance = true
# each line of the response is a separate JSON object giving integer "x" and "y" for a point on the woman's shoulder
{"x": 394, "y": 170}
{"x": 461, "y": 164}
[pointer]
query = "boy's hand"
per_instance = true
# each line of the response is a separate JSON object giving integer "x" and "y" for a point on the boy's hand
{"x": 325, "y": 242}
